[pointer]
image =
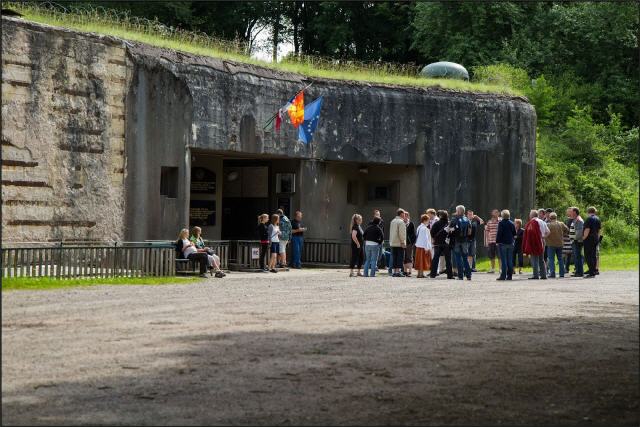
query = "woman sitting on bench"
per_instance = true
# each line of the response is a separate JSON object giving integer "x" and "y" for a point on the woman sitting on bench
{"x": 189, "y": 251}
{"x": 214, "y": 260}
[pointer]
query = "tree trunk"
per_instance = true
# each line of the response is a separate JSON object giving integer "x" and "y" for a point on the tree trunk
{"x": 276, "y": 32}
{"x": 295, "y": 21}
{"x": 305, "y": 29}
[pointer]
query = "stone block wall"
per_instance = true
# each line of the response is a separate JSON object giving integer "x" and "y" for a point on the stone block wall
{"x": 63, "y": 124}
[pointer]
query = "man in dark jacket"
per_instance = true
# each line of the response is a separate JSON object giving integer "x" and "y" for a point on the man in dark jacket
{"x": 591, "y": 237}
{"x": 383, "y": 253}
{"x": 461, "y": 231}
{"x": 505, "y": 238}
{"x": 440, "y": 240}
{"x": 411, "y": 241}
{"x": 373, "y": 238}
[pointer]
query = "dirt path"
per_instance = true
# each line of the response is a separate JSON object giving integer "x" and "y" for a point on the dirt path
{"x": 315, "y": 347}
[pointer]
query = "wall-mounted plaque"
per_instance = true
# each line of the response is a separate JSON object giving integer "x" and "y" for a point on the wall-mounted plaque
{"x": 202, "y": 213}
{"x": 203, "y": 181}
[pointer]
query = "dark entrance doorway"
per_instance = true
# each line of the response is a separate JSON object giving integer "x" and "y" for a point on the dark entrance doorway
{"x": 245, "y": 195}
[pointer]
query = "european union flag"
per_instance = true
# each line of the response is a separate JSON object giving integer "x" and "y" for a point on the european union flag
{"x": 311, "y": 117}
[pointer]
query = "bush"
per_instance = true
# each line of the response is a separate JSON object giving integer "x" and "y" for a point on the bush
{"x": 503, "y": 75}
{"x": 619, "y": 233}
{"x": 586, "y": 164}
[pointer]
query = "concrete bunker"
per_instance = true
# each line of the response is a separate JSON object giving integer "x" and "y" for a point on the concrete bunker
{"x": 184, "y": 145}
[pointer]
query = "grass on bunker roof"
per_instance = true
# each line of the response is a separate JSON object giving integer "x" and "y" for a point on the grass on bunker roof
{"x": 95, "y": 23}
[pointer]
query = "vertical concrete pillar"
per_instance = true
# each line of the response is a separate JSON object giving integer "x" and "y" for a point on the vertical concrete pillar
{"x": 186, "y": 185}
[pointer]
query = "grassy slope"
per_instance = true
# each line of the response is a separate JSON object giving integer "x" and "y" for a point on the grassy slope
{"x": 32, "y": 283}
{"x": 304, "y": 69}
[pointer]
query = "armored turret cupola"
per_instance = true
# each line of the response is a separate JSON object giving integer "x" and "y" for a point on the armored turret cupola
{"x": 445, "y": 69}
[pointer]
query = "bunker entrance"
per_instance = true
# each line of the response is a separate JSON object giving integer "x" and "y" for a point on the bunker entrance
{"x": 227, "y": 193}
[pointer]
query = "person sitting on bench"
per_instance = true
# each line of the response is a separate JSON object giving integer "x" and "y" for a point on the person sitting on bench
{"x": 189, "y": 251}
{"x": 214, "y": 260}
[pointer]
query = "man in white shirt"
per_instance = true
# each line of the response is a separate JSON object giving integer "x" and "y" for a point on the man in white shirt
{"x": 398, "y": 241}
{"x": 544, "y": 232}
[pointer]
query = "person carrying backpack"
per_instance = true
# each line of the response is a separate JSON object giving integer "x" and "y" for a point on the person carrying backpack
{"x": 460, "y": 230}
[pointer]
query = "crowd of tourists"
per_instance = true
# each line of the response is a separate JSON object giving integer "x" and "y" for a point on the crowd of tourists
{"x": 443, "y": 245}
{"x": 438, "y": 245}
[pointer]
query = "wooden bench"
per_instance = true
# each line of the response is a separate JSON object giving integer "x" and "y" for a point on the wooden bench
{"x": 185, "y": 266}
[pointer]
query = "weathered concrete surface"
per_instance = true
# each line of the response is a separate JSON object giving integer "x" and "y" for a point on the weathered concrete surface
{"x": 360, "y": 122}
{"x": 477, "y": 149}
{"x": 159, "y": 122}
{"x": 319, "y": 348}
{"x": 62, "y": 134}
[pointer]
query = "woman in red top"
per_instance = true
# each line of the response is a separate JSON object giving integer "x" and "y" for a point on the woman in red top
{"x": 533, "y": 245}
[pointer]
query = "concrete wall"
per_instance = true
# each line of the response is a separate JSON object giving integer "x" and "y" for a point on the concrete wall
{"x": 325, "y": 205}
{"x": 63, "y": 124}
{"x": 475, "y": 149}
{"x": 158, "y": 130}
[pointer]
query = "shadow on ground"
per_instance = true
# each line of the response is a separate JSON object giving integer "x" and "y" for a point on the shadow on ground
{"x": 562, "y": 371}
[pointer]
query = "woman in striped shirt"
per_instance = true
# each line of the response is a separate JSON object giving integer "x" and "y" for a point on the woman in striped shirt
{"x": 567, "y": 249}
{"x": 490, "y": 231}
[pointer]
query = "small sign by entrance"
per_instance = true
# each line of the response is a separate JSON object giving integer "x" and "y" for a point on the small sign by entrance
{"x": 255, "y": 253}
{"x": 202, "y": 213}
{"x": 203, "y": 181}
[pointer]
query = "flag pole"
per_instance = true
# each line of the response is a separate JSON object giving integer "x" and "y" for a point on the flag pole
{"x": 274, "y": 116}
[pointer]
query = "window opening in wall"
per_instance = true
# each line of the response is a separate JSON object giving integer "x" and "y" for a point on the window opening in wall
{"x": 169, "y": 182}
{"x": 383, "y": 191}
{"x": 285, "y": 183}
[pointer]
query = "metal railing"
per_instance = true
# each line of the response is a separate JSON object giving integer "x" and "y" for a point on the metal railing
{"x": 69, "y": 261}
{"x": 148, "y": 258}
{"x": 326, "y": 251}
{"x": 244, "y": 254}
{"x": 96, "y": 259}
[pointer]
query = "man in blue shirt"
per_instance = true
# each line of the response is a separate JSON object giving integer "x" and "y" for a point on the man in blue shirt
{"x": 297, "y": 239}
{"x": 591, "y": 238}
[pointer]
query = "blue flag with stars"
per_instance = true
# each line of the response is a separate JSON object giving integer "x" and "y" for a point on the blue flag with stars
{"x": 310, "y": 123}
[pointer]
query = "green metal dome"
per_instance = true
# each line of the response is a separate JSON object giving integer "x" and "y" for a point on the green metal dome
{"x": 449, "y": 70}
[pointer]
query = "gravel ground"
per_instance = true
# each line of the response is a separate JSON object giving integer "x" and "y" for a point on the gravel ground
{"x": 316, "y": 347}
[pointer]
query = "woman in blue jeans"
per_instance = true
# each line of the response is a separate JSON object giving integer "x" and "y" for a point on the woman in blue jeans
{"x": 373, "y": 237}
{"x": 505, "y": 239}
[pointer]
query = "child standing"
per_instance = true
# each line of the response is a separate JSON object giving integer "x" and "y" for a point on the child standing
{"x": 518, "y": 258}
{"x": 274, "y": 239}
{"x": 263, "y": 236}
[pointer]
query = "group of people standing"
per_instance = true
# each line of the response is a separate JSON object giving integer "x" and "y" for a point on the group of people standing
{"x": 275, "y": 232}
{"x": 546, "y": 238}
{"x": 424, "y": 248}
{"x": 438, "y": 239}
